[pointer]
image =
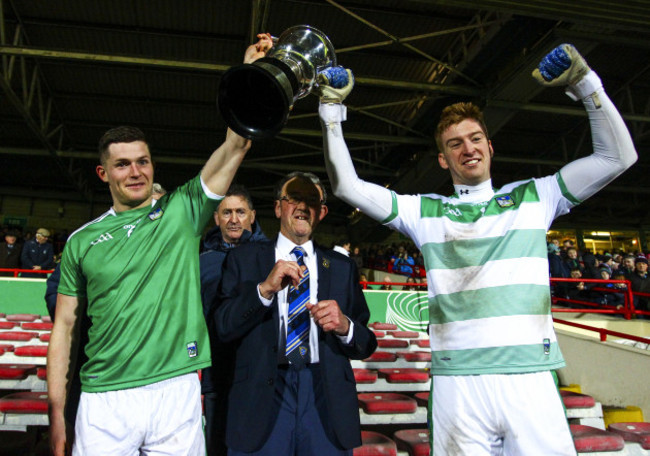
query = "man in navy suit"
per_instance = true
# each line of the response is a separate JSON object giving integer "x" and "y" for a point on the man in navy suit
{"x": 283, "y": 401}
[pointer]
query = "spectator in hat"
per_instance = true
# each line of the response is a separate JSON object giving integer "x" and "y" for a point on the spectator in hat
{"x": 10, "y": 251}
{"x": 38, "y": 254}
{"x": 640, "y": 282}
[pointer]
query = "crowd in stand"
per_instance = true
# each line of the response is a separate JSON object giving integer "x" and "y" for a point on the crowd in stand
{"x": 565, "y": 261}
{"x": 35, "y": 250}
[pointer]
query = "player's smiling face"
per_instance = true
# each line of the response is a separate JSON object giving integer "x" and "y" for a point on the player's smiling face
{"x": 129, "y": 173}
{"x": 467, "y": 153}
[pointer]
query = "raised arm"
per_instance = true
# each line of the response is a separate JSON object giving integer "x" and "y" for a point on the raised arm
{"x": 613, "y": 147}
{"x": 60, "y": 364}
{"x": 219, "y": 170}
{"x": 372, "y": 199}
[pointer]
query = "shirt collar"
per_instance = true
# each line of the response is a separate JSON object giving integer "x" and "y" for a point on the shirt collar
{"x": 475, "y": 193}
{"x": 285, "y": 246}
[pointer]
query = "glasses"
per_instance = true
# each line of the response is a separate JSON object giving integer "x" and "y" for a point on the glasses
{"x": 308, "y": 200}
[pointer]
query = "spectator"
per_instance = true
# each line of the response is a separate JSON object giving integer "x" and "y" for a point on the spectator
{"x": 559, "y": 269}
{"x": 236, "y": 225}
{"x": 386, "y": 286}
{"x": 572, "y": 260}
{"x": 343, "y": 247}
{"x": 10, "y": 251}
{"x": 298, "y": 315}
{"x": 566, "y": 245}
{"x": 590, "y": 266}
{"x": 627, "y": 266}
{"x": 402, "y": 262}
{"x": 37, "y": 254}
{"x": 410, "y": 287}
{"x": 157, "y": 191}
{"x": 357, "y": 257}
{"x": 641, "y": 283}
{"x": 578, "y": 291}
{"x": 609, "y": 297}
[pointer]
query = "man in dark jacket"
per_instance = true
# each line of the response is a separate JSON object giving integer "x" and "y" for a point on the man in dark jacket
{"x": 236, "y": 225}
{"x": 10, "y": 254}
{"x": 38, "y": 254}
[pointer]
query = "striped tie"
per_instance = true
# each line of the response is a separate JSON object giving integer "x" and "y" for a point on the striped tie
{"x": 297, "y": 350}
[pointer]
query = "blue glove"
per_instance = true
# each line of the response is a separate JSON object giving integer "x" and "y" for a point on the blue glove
{"x": 562, "y": 66}
{"x": 327, "y": 90}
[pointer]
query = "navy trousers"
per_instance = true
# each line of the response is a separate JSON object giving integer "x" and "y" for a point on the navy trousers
{"x": 300, "y": 430}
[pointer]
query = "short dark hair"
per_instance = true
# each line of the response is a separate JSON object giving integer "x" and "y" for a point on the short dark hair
{"x": 303, "y": 175}
{"x": 455, "y": 114}
{"x": 121, "y": 134}
{"x": 242, "y": 192}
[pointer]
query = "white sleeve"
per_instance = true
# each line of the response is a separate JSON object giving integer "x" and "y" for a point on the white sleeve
{"x": 372, "y": 199}
{"x": 613, "y": 147}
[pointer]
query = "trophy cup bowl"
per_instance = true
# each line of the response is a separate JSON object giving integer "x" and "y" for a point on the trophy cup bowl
{"x": 255, "y": 98}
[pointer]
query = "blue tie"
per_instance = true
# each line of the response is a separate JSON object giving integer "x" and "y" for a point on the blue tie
{"x": 297, "y": 350}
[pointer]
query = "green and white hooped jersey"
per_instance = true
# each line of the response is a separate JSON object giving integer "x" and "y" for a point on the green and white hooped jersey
{"x": 487, "y": 273}
{"x": 139, "y": 270}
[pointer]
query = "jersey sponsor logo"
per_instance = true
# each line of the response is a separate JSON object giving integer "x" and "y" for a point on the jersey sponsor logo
{"x": 505, "y": 201}
{"x": 104, "y": 237}
{"x": 156, "y": 214}
{"x": 192, "y": 350}
{"x": 447, "y": 210}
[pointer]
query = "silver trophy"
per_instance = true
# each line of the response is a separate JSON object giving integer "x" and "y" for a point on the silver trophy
{"x": 255, "y": 98}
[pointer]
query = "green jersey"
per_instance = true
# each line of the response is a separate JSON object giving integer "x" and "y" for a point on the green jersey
{"x": 139, "y": 270}
{"x": 487, "y": 274}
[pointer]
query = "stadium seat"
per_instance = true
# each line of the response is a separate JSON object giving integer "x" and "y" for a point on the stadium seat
{"x": 383, "y": 326}
{"x": 16, "y": 371}
{"x": 45, "y": 337}
{"x": 22, "y": 317}
{"x": 46, "y": 318}
{"x": 422, "y": 343}
{"x": 41, "y": 373}
{"x": 7, "y": 324}
{"x": 386, "y": 403}
{"x": 365, "y": 375}
{"x": 375, "y": 444}
{"x": 633, "y": 432}
{"x": 24, "y": 402}
{"x": 577, "y": 400}
{"x": 422, "y": 398}
{"x": 382, "y": 357}
{"x": 414, "y": 441}
{"x": 589, "y": 439}
{"x": 379, "y": 334}
{"x": 404, "y": 375}
{"x": 31, "y": 350}
{"x": 415, "y": 356}
{"x": 7, "y": 347}
{"x": 405, "y": 334}
{"x": 392, "y": 343}
{"x": 37, "y": 326}
{"x": 17, "y": 335}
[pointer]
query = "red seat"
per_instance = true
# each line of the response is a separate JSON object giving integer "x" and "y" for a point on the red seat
{"x": 41, "y": 373}
{"x": 415, "y": 356}
{"x": 382, "y": 357}
{"x": 422, "y": 343}
{"x": 589, "y": 439}
{"x": 7, "y": 347}
{"x": 383, "y": 326}
{"x": 365, "y": 375}
{"x": 37, "y": 326}
{"x": 45, "y": 337}
{"x": 422, "y": 398}
{"x": 7, "y": 324}
{"x": 16, "y": 371}
{"x": 633, "y": 432}
{"x": 379, "y": 334}
{"x": 375, "y": 444}
{"x": 17, "y": 335}
{"x": 386, "y": 403}
{"x": 414, "y": 441}
{"x": 392, "y": 343}
{"x": 46, "y": 318}
{"x": 25, "y": 402}
{"x": 22, "y": 317}
{"x": 31, "y": 350}
{"x": 577, "y": 400}
{"x": 404, "y": 375}
{"x": 405, "y": 334}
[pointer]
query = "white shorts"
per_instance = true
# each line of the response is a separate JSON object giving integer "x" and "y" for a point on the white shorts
{"x": 163, "y": 418}
{"x": 510, "y": 415}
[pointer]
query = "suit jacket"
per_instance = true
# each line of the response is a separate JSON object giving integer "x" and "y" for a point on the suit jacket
{"x": 10, "y": 258}
{"x": 243, "y": 318}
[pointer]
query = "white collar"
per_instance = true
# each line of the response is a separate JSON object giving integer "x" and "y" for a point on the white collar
{"x": 285, "y": 246}
{"x": 475, "y": 193}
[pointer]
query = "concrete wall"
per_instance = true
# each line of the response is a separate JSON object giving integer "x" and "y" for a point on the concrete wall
{"x": 614, "y": 374}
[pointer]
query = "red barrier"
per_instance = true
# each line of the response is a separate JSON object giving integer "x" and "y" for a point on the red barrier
{"x": 18, "y": 271}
